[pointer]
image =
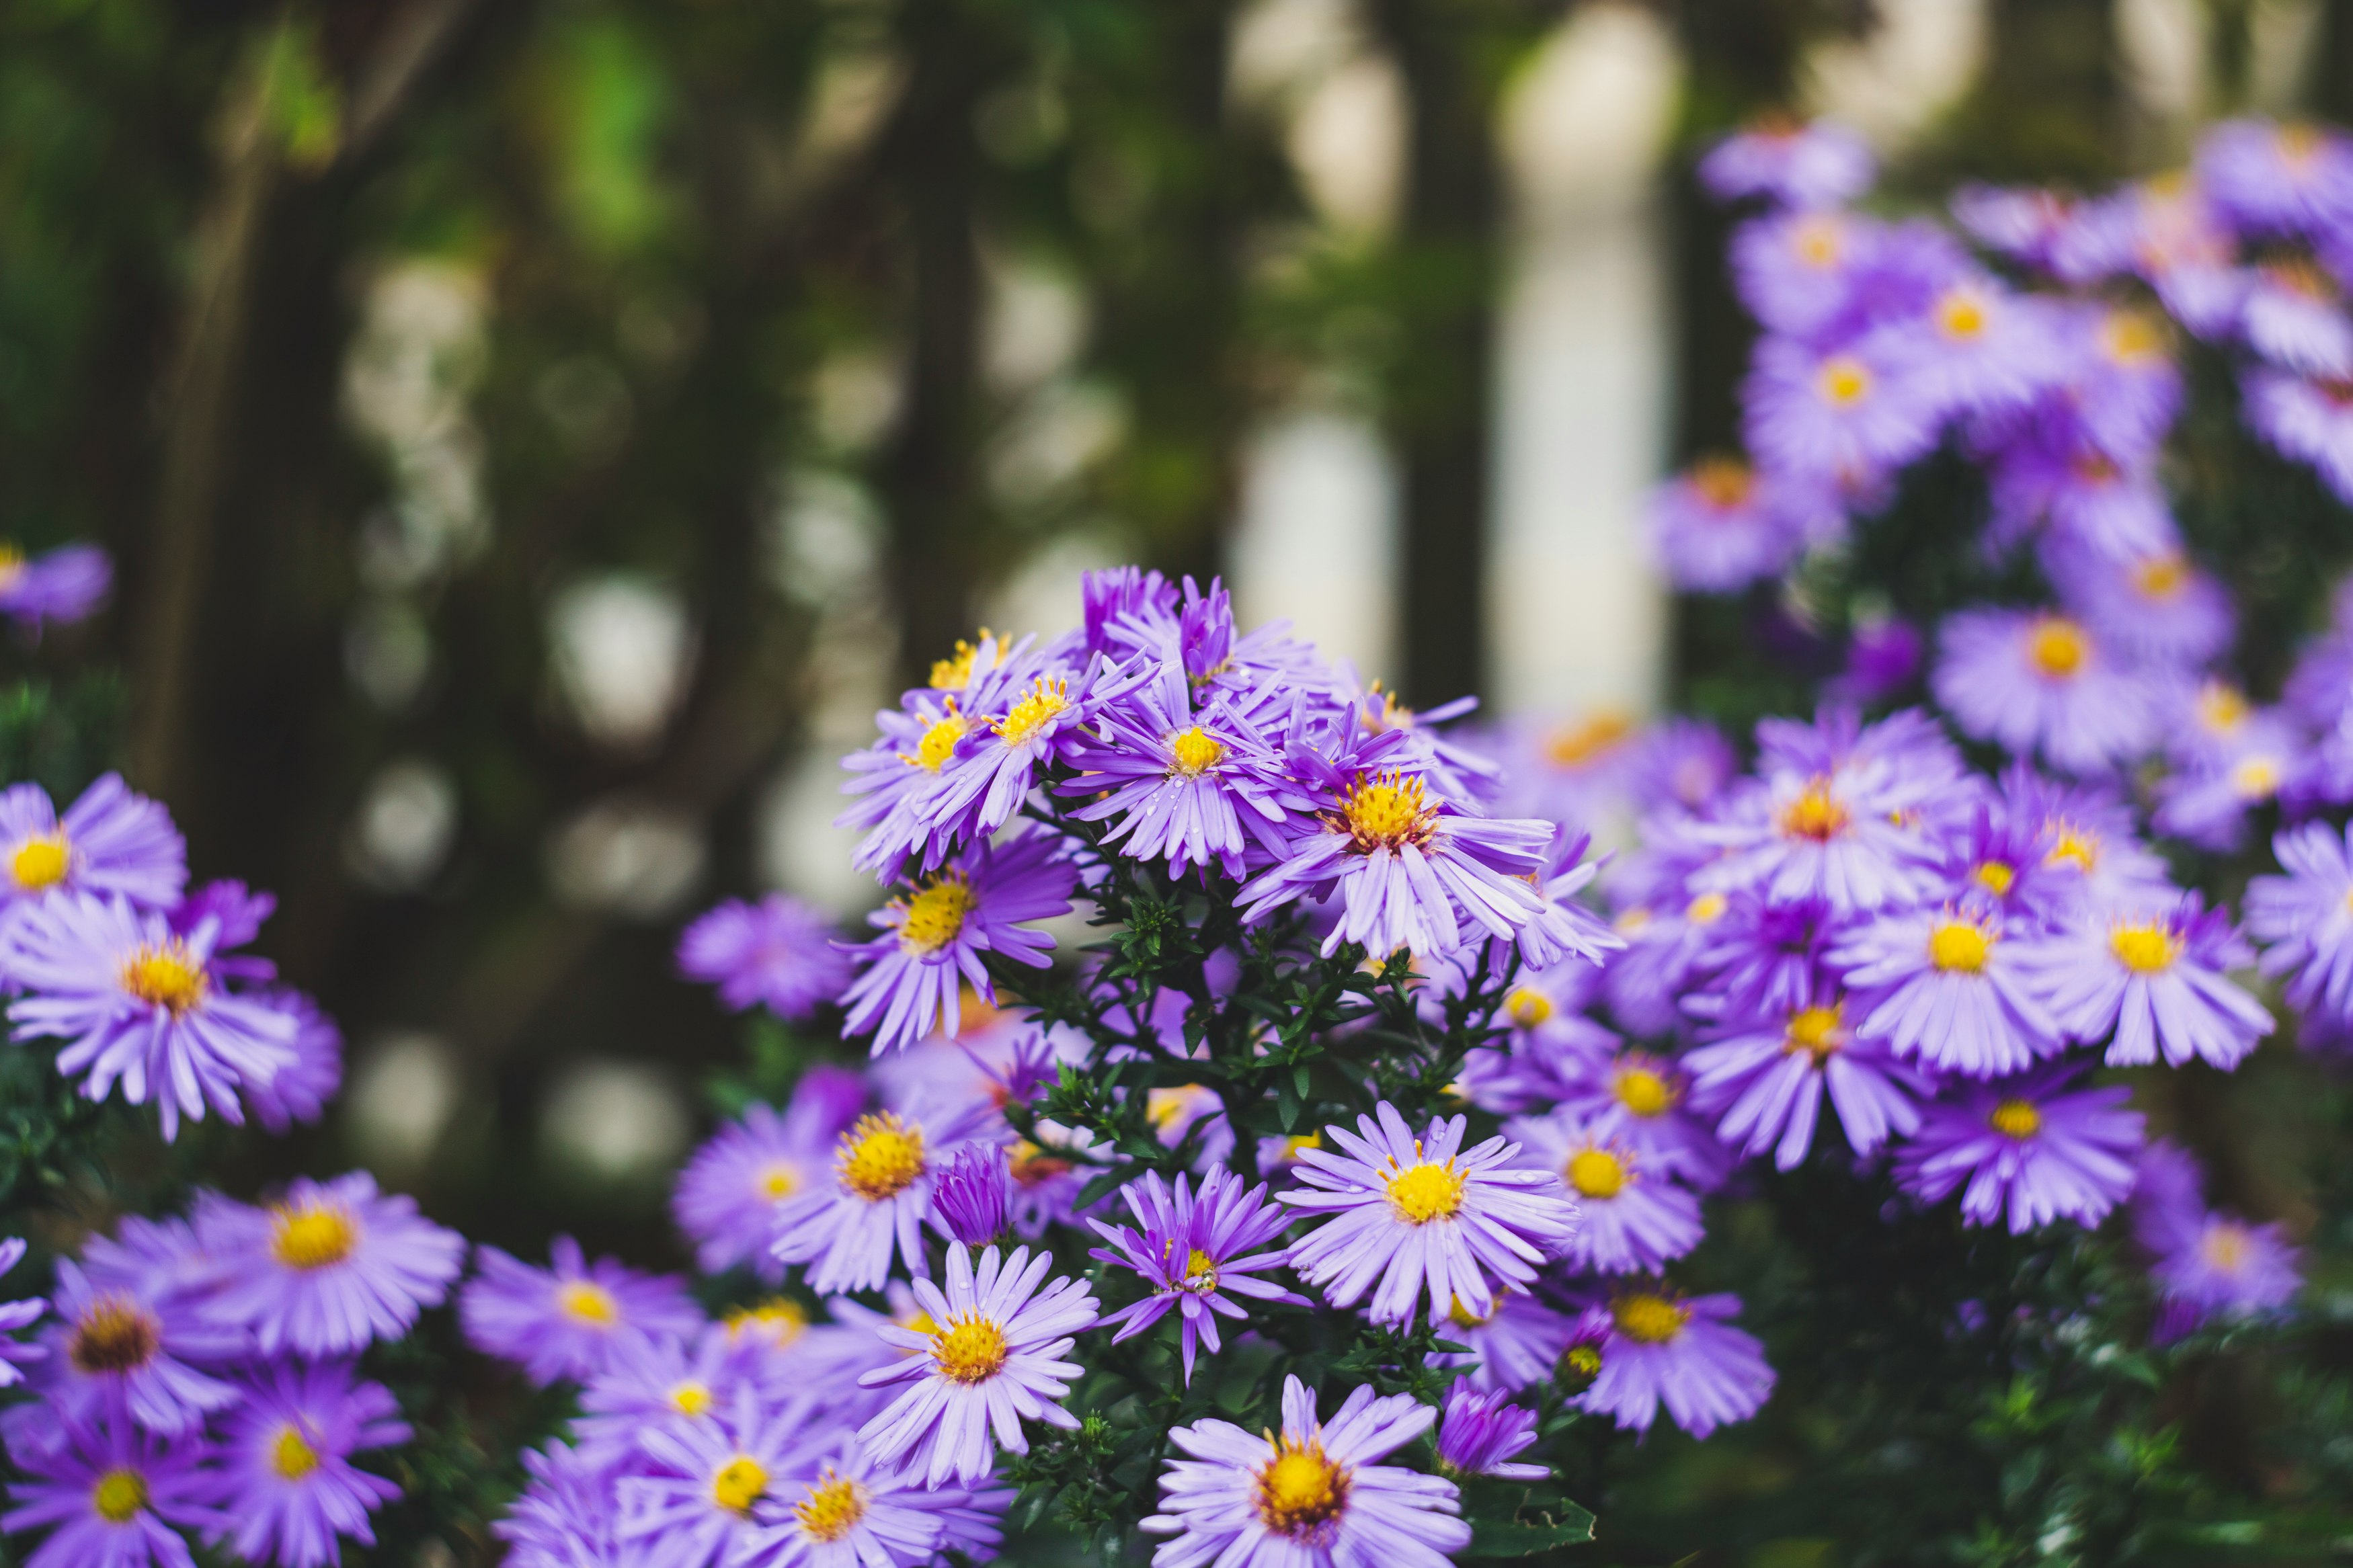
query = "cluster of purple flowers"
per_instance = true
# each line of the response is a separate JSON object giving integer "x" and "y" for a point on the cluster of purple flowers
{"x": 198, "y": 1379}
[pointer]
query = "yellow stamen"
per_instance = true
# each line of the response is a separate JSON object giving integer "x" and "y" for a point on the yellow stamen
{"x": 2131, "y": 337}
{"x": 2016, "y": 1119}
{"x": 2222, "y": 707}
{"x": 930, "y": 917}
{"x": 1528, "y": 1007}
{"x": 1845, "y": 381}
{"x": 1598, "y": 1174}
{"x": 42, "y": 861}
{"x": 778, "y": 1181}
{"x": 955, "y": 673}
{"x": 1818, "y": 239}
{"x": 1463, "y": 1316}
{"x": 1200, "y": 1272}
{"x": 1961, "y": 313}
{"x": 832, "y": 1506}
{"x": 2056, "y": 646}
{"x": 1959, "y": 947}
{"x": 779, "y": 1320}
{"x": 584, "y": 1302}
{"x": 119, "y": 1495}
{"x": 167, "y": 976}
{"x": 2225, "y": 1246}
{"x": 1643, "y": 1091}
{"x": 939, "y": 742}
{"x": 1706, "y": 910}
{"x": 1386, "y": 812}
{"x": 313, "y": 1236}
{"x": 2144, "y": 948}
{"x": 691, "y": 1399}
{"x": 1573, "y": 745}
{"x": 1583, "y": 1361}
{"x": 1299, "y": 1488}
{"x": 1195, "y": 752}
{"x": 292, "y": 1456}
{"x": 115, "y": 1334}
{"x": 1648, "y": 1319}
{"x": 742, "y": 1482}
{"x": 2074, "y": 846}
{"x": 1427, "y": 1192}
{"x": 880, "y": 1156}
{"x": 1817, "y": 814}
{"x": 2160, "y": 576}
{"x": 1815, "y": 1030}
{"x": 1723, "y": 483}
{"x": 970, "y": 1350}
{"x": 1995, "y": 876}
{"x": 1046, "y": 701}
{"x": 2255, "y": 778}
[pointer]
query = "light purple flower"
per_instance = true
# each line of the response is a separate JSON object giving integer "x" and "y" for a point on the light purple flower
{"x": 879, "y": 1194}
{"x": 64, "y": 585}
{"x": 704, "y": 1493}
{"x": 15, "y": 1353}
{"x": 1682, "y": 1352}
{"x": 843, "y": 1510}
{"x": 1515, "y": 1345}
{"x": 935, "y": 934}
{"x": 2294, "y": 318}
{"x": 1629, "y": 1220}
{"x": 650, "y": 1384}
{"x": 2311, "y": 421}
{"x": 2038, "y": 683}
{"x": 121, "y": 1348}
{"x": 2023, "y": 1145}
{"x": 2154, "y": 606}
{"x": 1978, "y": 347}
{"x": 1637, "y": 1101}
{"x": 729, "y": 1195}
{"x": 1481, "y": 1431}
{"x": 2227, "y": 1268}
{"x": 300, "y": 1091}
{"x": 1955, "y": 989}
{"x": 1765, "y": 1079}
{"x": 329, "y": 1267}
{"x": 1812, "y": 164}
{"x": 2276, "y": 179}
{"x": 1721, "y": 526}
{"x": 778, "y": 952}
{"x": 1033, "y": 718}
{"x": 112, "y": 1495}
{"x": 991, "y": 1360}
{"x": 286, "y": 1480}
{"x": 563, "y": 1322}
{"x": 567, "y": 1516}
{"x": 2305, "y": 918}
{"x": 1191, "y": 1248}
{"x": 108, "y": 842}
{"x": 1309, "y": 1494}
{"x": 1411, "y": 1216}
{"x": 1842, "y": 417}
{"x": 2154, "y": 976}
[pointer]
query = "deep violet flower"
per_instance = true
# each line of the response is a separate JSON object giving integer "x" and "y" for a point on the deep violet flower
{"x": 1190, "y": 1249}
{"x": 1307, "y": 1494}
{"x": 110, "y": 1495}
{"x": 2025, "y": 1146}
{"x": 1682, "y": 1352}
{"x": 974, "y": 1196}
{"x": 329, "y": 1267}
{"x": 1481, "y": 1431}
{"x": 563, "y": 1322}
{"x": 777, "y": 953}
{"x": 729, "y": 1195}
{"x": 286, "y": 1480}
{"x": 1413, "y": 1216}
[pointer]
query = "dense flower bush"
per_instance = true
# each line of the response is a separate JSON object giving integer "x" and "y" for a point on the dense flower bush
{"x": 1281, "y": 1135}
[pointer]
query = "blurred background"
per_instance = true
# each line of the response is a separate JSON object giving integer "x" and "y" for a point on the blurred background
{"x": 535, "y": 435}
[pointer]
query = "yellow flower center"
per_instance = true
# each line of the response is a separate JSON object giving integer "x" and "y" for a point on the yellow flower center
{"x": 1528, "y": 1007}
{"x": 1959, "y": 947}
{"x": 2159, "y": 576}
{"x": 930, "y": 917}
{"x": 1961, "y": 314}
{"x": 1584, "y": 1360}
{"x": 168, "y": 977}
{"x": 741, "y": 1482}
{"x": 1426, "y": 1192}
{"x": 313, "y": 1236}
{"x": 832, "y": 1506}
{"x": 2224, "y": 1247}
{"x": 1461, "y": 1316}
{"x": 2222, "y": 707}
{"x": 1818, "y": 241}
{"x": 969, "y": 1350}
{"x": 778, "y": 1181}
{"x": 1299, "y": 1488}
{"x": 2016, "y": 1120}
{"x": 586, "y": 1302}
{"x": 1845, "y": 381}
{"x": 1200, "y": 1272}
{"x": 1816, "y": 813}
{"x": 689, "y": 1399}
{"x": 880, "y": 1156}
{"x": 2056, "y": 646}
{"x": 1385, "y": 813}
{"x": 1995, "y": 876}
{"x": 42, "y": 861}
{"x": 1298, "y": 1140}
{"x": 1574, "y": 745}
{"x": 1195, "y": 752}
{"x": 1631, "y": 920}
{"x": 2144, "y": 948}
{"x": 2255, "y": 778}
{"x": 778, "y": 1320}
{"x": 1723, "y": 484}
{"x": 2074, "y": 846}
{"x": 955, "y": 672}
{"x": 1598, "y": 1174}
{"x": 1815, "y": 1030}
{"x": 1706, "y": 908}
{"x": 1648, "y": 1319}
{"x": 292, "y": 1456}
{"x": 115, "y": 1334}
{"x": 1642, "y": 1091}
{"x": 939, "y": 742}
{"x": 119, "y": 1495}
{"x": 1046, "y": 701}
{"x": 2131, "y": 337}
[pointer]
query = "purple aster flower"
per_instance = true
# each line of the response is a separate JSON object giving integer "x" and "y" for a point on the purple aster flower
{"x": 2026, "y": 224}
{"x": 140, "y": 1002}
{"x": 990, "y": 1359}
{"x": 567, "y": 1515}
{"x": 1573, "y": 771}
{"x": 16, "y": 1354}
{"x": 111, "y": 1496}
{"x": 122, "y": 1348}
{"x": 1565, "y": 928}
{"x": 329, "y": 1267}
{"x": 300, "y": 1091}
{"x": 845, "y": 1510}
{"x": 64, "y": 585}
{"x": 884, "y": 1165}
{"x": 1766, "y": 1078}
{"x": 2154, "y": 606}
{"x": 150, "y": 1256}
{"x": 1629, "y": 1220}
{"x": 2034, "y": 682}
{"x": 1813, "y": 164}
{"x": 2294, "y": 318}
{"x": 286, "y": 1479}
{"x": 1647, "y": 983}
{"x": 1411, "y": 1216}
{"x": 2022, "y": 1144}
{"x": 1721, "y": 526}
{"x": 2227, "y": 1268}
{"x": 1979, "y": 348}
{"x": 2311, "y": 421}
{"x": 1762, "y": 957}
{"x": 2095, "y": 506}
{"x": 935, "y": 934}
{"x": 778, "y": 951}
{"x": 2305, "y": 918}
{"x": 1308, "y": 1494}
{"x": 730, "y": 1192}
{"x": 110, "y": 842}
{"x": 1883, "y": 657}
{"x": 1802, "y": 273}
{"x": 1037, "y": 718}
{"x": 2126, "y": 389}
{"x": 1461, "y": 770}
{"x": 1682, "y": 1352}
{"x": 1516, "y": 1344}
{"x": 706, "y": 1494}
{"x": 1481, "y": 1431}
{"x": 1686, "y": 762}
{"x": 1637, "y": 1101}
{"x": 1957, "y": 989}
{"x": 649, "y": 1384}
{"x": 2276, "y": 179}
{"x": 974, "y": 1196}
{"x": 1841, "y": 417}
{"x": 1046, "y": 1180}
{"x": 561, "y": 1322}
{"x": 1191, "y": 1250}
{"x": 2154, "y": 976}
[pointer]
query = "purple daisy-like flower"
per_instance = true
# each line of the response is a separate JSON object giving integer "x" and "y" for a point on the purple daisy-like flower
{"x": 2294, "y": 316}
{"x": 1043, "y": 714}
{"x": 1481, "y": 1431}
{"x": 2305, "y": 918}
{"x": 2276, "y": 179}
{"x": 110, "y": 1496}
{"x": 120, "y": 1347}
{"x": 15, "y": 1353}
{"x": 108, "y": 842}
{"x": 1515, "y": 1345}
{"x": 846, "y": 1511}
{"x": 1190, "y": 1249}
{"x": 1308, "y": 1494}
{"x": 563, "y": 1322}
{"x": 567, "y": 1516}
{"x": 1767, "y": 1078}
{"x": 778, "y": 952}
{"x": 1841, "y": 417}
{"x": 64, "y": 585}
{"x": 1883, "y": 657}
{"x": 140, "y": 1004}
{"x": 1682, "y": 1353}
{"x": 884, "y": 1166}
{"x": 1800, "y": 273}
{"x": 1721, "y": 526}
{"x": 2153, "y": 606}
{"x": 974, "y": 1196}
{"x": 2311, "y": 421}
{"x": 2023, "y": 1145}
{"x": 706, "y": 1492}
{"x": 1410, "y": 1217}
{"x": 1637, "y": 1101}
{"x": 2154, "y": 976}
{"x": 300, "y": 1091}
{"x": 991, "y": 1360}
{"x": 286, "y": 1478}
{"x": 1978, "y": 347}
{"x": 1629, "y": 1220}
{"x": 329, "y": 1267}
{"x": 1812, "y": 164}
{"x": 1957, "y": 989}
{"x": 935, "y": 934}
{"x": 2227, "y": 1268}
{"x": 729, "y": 1195}
{"x": 2035, "y": 682}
